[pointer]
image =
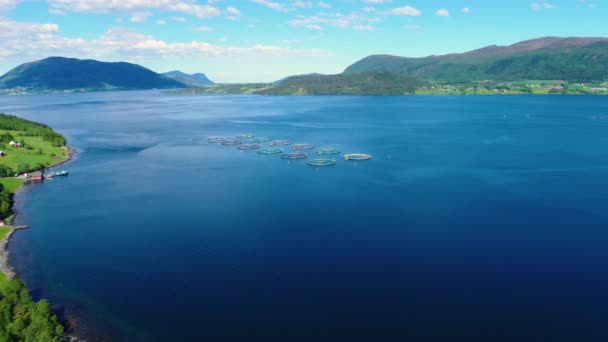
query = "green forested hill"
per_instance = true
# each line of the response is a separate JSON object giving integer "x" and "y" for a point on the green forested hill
{"x": 571, "y": 59}
{"x": 70, "y": 74}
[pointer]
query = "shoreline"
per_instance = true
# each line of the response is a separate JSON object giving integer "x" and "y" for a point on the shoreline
{"x": 5, "y": 264}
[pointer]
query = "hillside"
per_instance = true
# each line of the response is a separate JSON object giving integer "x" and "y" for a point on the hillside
{"x": 369, "y": 83}
{"x": 70, "y": 74}
{"x": 549, "y": 58}
{"x": 191, "y": 80}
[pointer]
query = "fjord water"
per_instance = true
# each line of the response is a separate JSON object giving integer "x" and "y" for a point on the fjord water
{"x": 479, "y": 218}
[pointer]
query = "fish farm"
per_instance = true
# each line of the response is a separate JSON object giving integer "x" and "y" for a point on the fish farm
{"x": 247, "y": 147}
{"x": 300, "y": 147}
{"x": 270, "y": 151}
{"x": 295, "y": 156}
{"x": 232, "y": 142}
{"x": 327, "y": 151}
{"x": 321, "y": 162}
{"x": 280, "y": 143}
{"x": 260, "y": 139}
{"x": 357, "y": 156}
{"x": 267, "y": 146}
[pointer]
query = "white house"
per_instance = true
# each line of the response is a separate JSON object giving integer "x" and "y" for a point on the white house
{"x": 12, "y": 143}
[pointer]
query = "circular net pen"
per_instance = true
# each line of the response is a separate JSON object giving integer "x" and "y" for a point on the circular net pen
{"x": 267, "y": 151}
{"x": 232, "y": 142}
{"x": 357, "y": 156}
{"x": 261, "y": 139}
{"x": 321, "y": 162}
{"x": 293, "y": 156}
{"x": 327, "y": 151}
{"x": 248, "y": 147}
{"x": 280, "y": 143}
{"x": 301, "y": 147}
{"x": 215, "y": 139}
{"x": 244, "y": 136}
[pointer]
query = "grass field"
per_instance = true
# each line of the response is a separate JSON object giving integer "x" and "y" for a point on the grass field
{"x": 3, "y": 231}
{"x": 11, "y": 184}
{"x": 38, "y": 154}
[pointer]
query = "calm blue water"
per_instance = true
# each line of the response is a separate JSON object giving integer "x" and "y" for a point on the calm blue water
{"x": 479, "y": 219}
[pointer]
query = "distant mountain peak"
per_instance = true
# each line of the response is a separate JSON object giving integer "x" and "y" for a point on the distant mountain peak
{"x": 193, "y": 80}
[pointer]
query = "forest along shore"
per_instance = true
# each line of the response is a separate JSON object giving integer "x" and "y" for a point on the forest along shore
{"x": 26, "y": 149}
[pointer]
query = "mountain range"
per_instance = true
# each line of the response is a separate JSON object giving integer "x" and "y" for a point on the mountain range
{"x": 572, "y": 59}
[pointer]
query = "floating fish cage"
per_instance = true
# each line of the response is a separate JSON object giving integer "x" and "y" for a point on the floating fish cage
{"x": 270, "y": 151}
{"x": 321, "y": 162}
{"x": 280, "y": 143}
{"x": 300, "y": 147}
{"x": 261, "y": 139}
{"x": 248, "y": 147}
{"x": 232, "y": 142}
{"x": 244, "y": 136}
{"x": 294, "y": 156}
{"x": 215, "y": 139}
{"x": 357, "y": 156}
{"x": 327, "y": 151}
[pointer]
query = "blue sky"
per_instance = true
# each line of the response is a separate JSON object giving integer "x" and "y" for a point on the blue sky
{"x": 265, "y": 40}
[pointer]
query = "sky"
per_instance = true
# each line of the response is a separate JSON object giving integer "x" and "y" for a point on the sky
{"x": 266, "y": 40}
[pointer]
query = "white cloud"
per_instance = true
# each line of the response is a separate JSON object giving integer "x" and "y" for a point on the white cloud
{"x": 161, "y": 22}
{"x": 56, "y": 12}
{"x": 466, "y": 10}
{"x": 377, "y": 1}
{"x": 140, "y": 17}
{"x": 19, "y": 40}
{"x": 232, "y": 11}
{"x": 443, "y": 12}
{"x": 406, "y": 10}
{"x": 6, "y": 5}
{"x": 356, "y": 21}
{"x": 301, "y": 4}
{"x": 363, "y": 27}
{"x": 180, "y": 19}
{"x": 132, "y": 7}
{"x": 291, "y": 5}
{"x": 273, "y": 5}
{"x": 540, "y": 5}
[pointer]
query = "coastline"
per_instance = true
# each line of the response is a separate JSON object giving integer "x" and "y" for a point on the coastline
{"x": 5, "y": 265}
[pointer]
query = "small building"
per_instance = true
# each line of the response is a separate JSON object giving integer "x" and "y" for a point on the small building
{"x": 1, "y": 223}
{"x": 36, "y": 176}
{"x": 14, "y": 144}
{"x": 2, "y": 154}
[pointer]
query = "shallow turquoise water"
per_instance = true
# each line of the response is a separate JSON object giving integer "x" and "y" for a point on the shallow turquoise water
{"x": 479, "y": 218}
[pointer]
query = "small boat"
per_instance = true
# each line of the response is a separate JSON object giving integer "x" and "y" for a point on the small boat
{"x": 56, "y": 174}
